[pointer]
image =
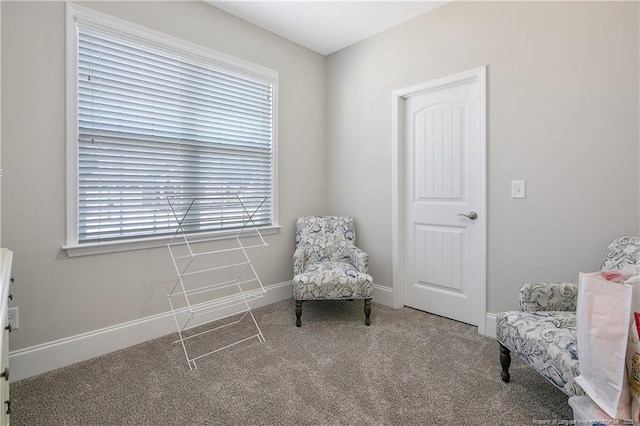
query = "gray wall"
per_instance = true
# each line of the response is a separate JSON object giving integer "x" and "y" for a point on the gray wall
{"x": 562, "y": 114}
{"x": 60, "y": 296}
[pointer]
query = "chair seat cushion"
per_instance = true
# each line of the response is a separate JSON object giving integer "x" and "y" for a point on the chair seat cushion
{"x": 546, "y": 340}
{"x": 332, "y": 280}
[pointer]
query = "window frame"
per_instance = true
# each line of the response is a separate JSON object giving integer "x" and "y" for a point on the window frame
{"x": 119, "y": 27}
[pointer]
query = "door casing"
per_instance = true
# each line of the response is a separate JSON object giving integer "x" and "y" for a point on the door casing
{"x": 476, "y": 75}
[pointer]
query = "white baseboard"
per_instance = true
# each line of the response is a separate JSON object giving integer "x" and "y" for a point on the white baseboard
{"x": 490, "y": 325}
{"x": 48, "y": 356}
{"x": 383, "y": 295}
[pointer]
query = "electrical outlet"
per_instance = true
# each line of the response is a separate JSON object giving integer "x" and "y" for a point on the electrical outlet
{"x": 14, "y": 317}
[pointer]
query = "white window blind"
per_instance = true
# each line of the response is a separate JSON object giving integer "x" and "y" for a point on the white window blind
{"x": 153, "y": 124}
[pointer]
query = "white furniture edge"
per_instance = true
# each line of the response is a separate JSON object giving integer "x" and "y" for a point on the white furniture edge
{"x": 6, "y": 256}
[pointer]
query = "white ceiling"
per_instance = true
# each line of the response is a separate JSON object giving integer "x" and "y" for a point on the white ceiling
{"x": 326, "y": 26}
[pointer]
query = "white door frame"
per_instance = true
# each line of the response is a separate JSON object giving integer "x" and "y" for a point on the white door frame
{"x": 398, "y": 184}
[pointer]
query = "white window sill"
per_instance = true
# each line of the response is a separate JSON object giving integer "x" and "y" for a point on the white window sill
{"x": 89, "y": 249}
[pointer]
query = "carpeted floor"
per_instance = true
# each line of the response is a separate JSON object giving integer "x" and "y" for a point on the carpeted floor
{"x": 408, "y": 367}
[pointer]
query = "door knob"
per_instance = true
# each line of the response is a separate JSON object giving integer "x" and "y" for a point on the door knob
{"x": 471, "y": 215}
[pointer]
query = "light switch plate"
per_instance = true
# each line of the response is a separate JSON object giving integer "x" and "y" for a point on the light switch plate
{"x": 518, "y": 189}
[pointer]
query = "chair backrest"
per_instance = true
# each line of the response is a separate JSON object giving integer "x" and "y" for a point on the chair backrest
{"x": 325, "y": 238}
{"x": 621, "y": 251}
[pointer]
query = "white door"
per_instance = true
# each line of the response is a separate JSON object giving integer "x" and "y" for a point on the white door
{"x": 444, "y": 201}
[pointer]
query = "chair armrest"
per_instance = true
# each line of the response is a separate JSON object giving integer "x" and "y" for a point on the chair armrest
{"x": 298, "y": 261}
{"x": 359, "y": 259}
{"x": 548, "y": 296}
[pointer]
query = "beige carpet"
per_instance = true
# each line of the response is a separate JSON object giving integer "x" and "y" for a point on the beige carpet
{"x": 408, "y": 367}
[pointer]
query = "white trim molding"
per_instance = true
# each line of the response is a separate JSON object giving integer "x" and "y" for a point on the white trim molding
{"x": 49, "y": 356}
{"x": 89, "y": 249}
{"x": 383, "y": 295}
{"x": 490, "y": 325}
{"x": 398, "y": 184}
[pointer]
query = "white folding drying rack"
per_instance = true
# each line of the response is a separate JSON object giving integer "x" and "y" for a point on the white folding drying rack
{"x": 216, "y": 276}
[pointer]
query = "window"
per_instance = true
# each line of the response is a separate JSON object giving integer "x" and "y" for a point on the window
{"x": 155, "y": 117}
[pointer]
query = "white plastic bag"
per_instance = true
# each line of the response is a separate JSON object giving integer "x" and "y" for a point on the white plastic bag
{"x": 603, "y": 312}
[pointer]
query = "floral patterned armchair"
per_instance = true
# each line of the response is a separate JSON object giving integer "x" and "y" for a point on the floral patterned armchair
{"x": 544, "y": 332}
{"x": 328, "y": 265}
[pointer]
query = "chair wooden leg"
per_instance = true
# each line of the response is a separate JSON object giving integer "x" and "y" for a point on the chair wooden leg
{"x": 367, "y": 311}
{"x": 505, "y": 362}
{"x": 298, "y": 312}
